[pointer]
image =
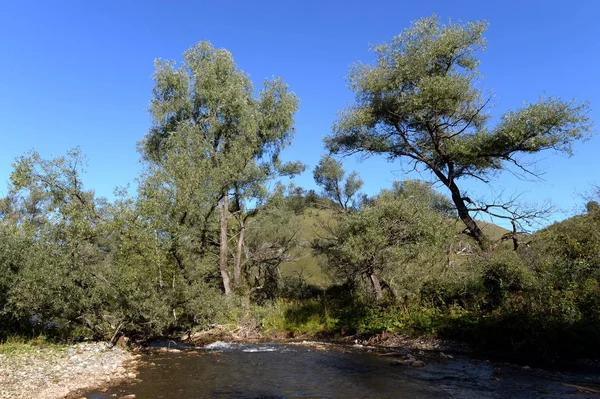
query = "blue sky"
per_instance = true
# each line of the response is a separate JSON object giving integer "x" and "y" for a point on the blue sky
{"x": 79, "y": 73}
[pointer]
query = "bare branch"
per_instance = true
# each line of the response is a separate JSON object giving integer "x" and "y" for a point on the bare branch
{"x": 519, "y": 213}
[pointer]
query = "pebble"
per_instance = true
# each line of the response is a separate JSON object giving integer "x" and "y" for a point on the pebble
{"x": 50, "y": 373}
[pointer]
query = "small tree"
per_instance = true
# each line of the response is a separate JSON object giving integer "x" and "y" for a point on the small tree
{"x": 272, "y": 239}
{"x": 592, "y": 206}
{"x": 329, "y": 175}
{"x": 420, "y": 103}
{"x": 378, "y": 241}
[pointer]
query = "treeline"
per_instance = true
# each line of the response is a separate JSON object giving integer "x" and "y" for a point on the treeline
{"x": 203, "y": 240}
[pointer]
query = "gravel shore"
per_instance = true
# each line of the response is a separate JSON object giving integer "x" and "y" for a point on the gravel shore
{"x": 57, "y": 372}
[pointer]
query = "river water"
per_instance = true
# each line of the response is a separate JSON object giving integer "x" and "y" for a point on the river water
{"x": 231, "y": 370}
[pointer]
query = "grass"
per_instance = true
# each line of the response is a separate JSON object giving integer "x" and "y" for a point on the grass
{"x": 322, "y": 317}
{"x": 309, "y": 317}
{"x": 18, "y": 345}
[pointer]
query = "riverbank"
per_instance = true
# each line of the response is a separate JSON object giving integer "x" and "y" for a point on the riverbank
{"x": 58, "y": 371}
{"x": 385, "y": 342}
{"x": 382, "y": 341}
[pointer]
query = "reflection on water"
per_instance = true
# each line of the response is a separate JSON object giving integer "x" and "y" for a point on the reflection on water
{"x": 226, "y": 370}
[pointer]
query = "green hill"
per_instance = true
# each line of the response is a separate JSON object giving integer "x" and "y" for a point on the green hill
{"x": 493, "y": 231}
{"x": 313, "y": 224}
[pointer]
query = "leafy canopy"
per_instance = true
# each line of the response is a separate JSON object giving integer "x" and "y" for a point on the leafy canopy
{"x": 208, "y": 104}
{"x": 421, "y": 102}
{"x": 329, "y": 175}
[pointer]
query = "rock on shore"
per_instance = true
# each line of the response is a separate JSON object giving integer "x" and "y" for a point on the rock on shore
{"x": 52, "y": 373}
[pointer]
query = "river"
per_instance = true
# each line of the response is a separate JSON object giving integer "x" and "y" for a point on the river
{"x": 319, "y": 370}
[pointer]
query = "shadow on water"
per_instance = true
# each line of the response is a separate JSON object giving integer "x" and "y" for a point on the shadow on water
{"x": 225, "y": 370}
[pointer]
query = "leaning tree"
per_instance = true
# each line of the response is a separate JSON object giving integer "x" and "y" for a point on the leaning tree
{"x": 421, "y": 104}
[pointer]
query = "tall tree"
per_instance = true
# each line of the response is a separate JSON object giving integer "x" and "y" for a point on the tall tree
{"x": 421, "y": 103}
{"x": 211, "y": 128}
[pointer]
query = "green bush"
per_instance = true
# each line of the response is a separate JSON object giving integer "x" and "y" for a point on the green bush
{"x": 504, "y": 273}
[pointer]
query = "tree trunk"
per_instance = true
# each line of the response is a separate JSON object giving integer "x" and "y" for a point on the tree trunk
{"x": 376, "y": 287}
{"x": 514, "y": 237}
{"x": 204, "y": 233}
{"x": 392, "y": 290}
{"x": 463, "y": 214}
{"x": 237, "y": 263}
{"x": 223, "y": 253}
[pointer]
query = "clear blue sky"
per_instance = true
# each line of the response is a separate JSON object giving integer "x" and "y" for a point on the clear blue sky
{"x": 78, "y": 73}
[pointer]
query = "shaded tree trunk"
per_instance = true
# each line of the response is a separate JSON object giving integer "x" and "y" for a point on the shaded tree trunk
{"x": 514, "y": 237}
{"x": 392, "y": 290}
{"x": 223, "y": 251}
{"x": 237, "y": 262}
{"x": 463, "y": 214}
{"x": 376, "y": 287}
{"x": 204, "y": 234}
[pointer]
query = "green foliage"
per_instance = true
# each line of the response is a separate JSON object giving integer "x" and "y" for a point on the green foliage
{"x": 369, "y": 319}
{"x": 329, "y": 175}
{"x": 504, "y": 273}
{"x": 592, "y": 206}
{"x": 72, "y": 261}
{"x": 299, "y": 318}
{"x": 395, "y": 237}
{"x": 209, "y": 125}
{"x": 210, "y": 101}
{"x": 272, "y": 239}
{"x": 296, "y": 199}
{"x": 59, "y": 227}
{"x": 422, "y": 192}
{"x": 77, "y": 266}
{"x": 146, "y": 266}
{"x": 423, "y": 86}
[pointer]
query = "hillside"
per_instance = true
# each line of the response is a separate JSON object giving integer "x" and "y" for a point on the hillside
{"x": 493, "y": 231}
{"x": 314, "y": 223}
{"x": 577, "y": 235}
